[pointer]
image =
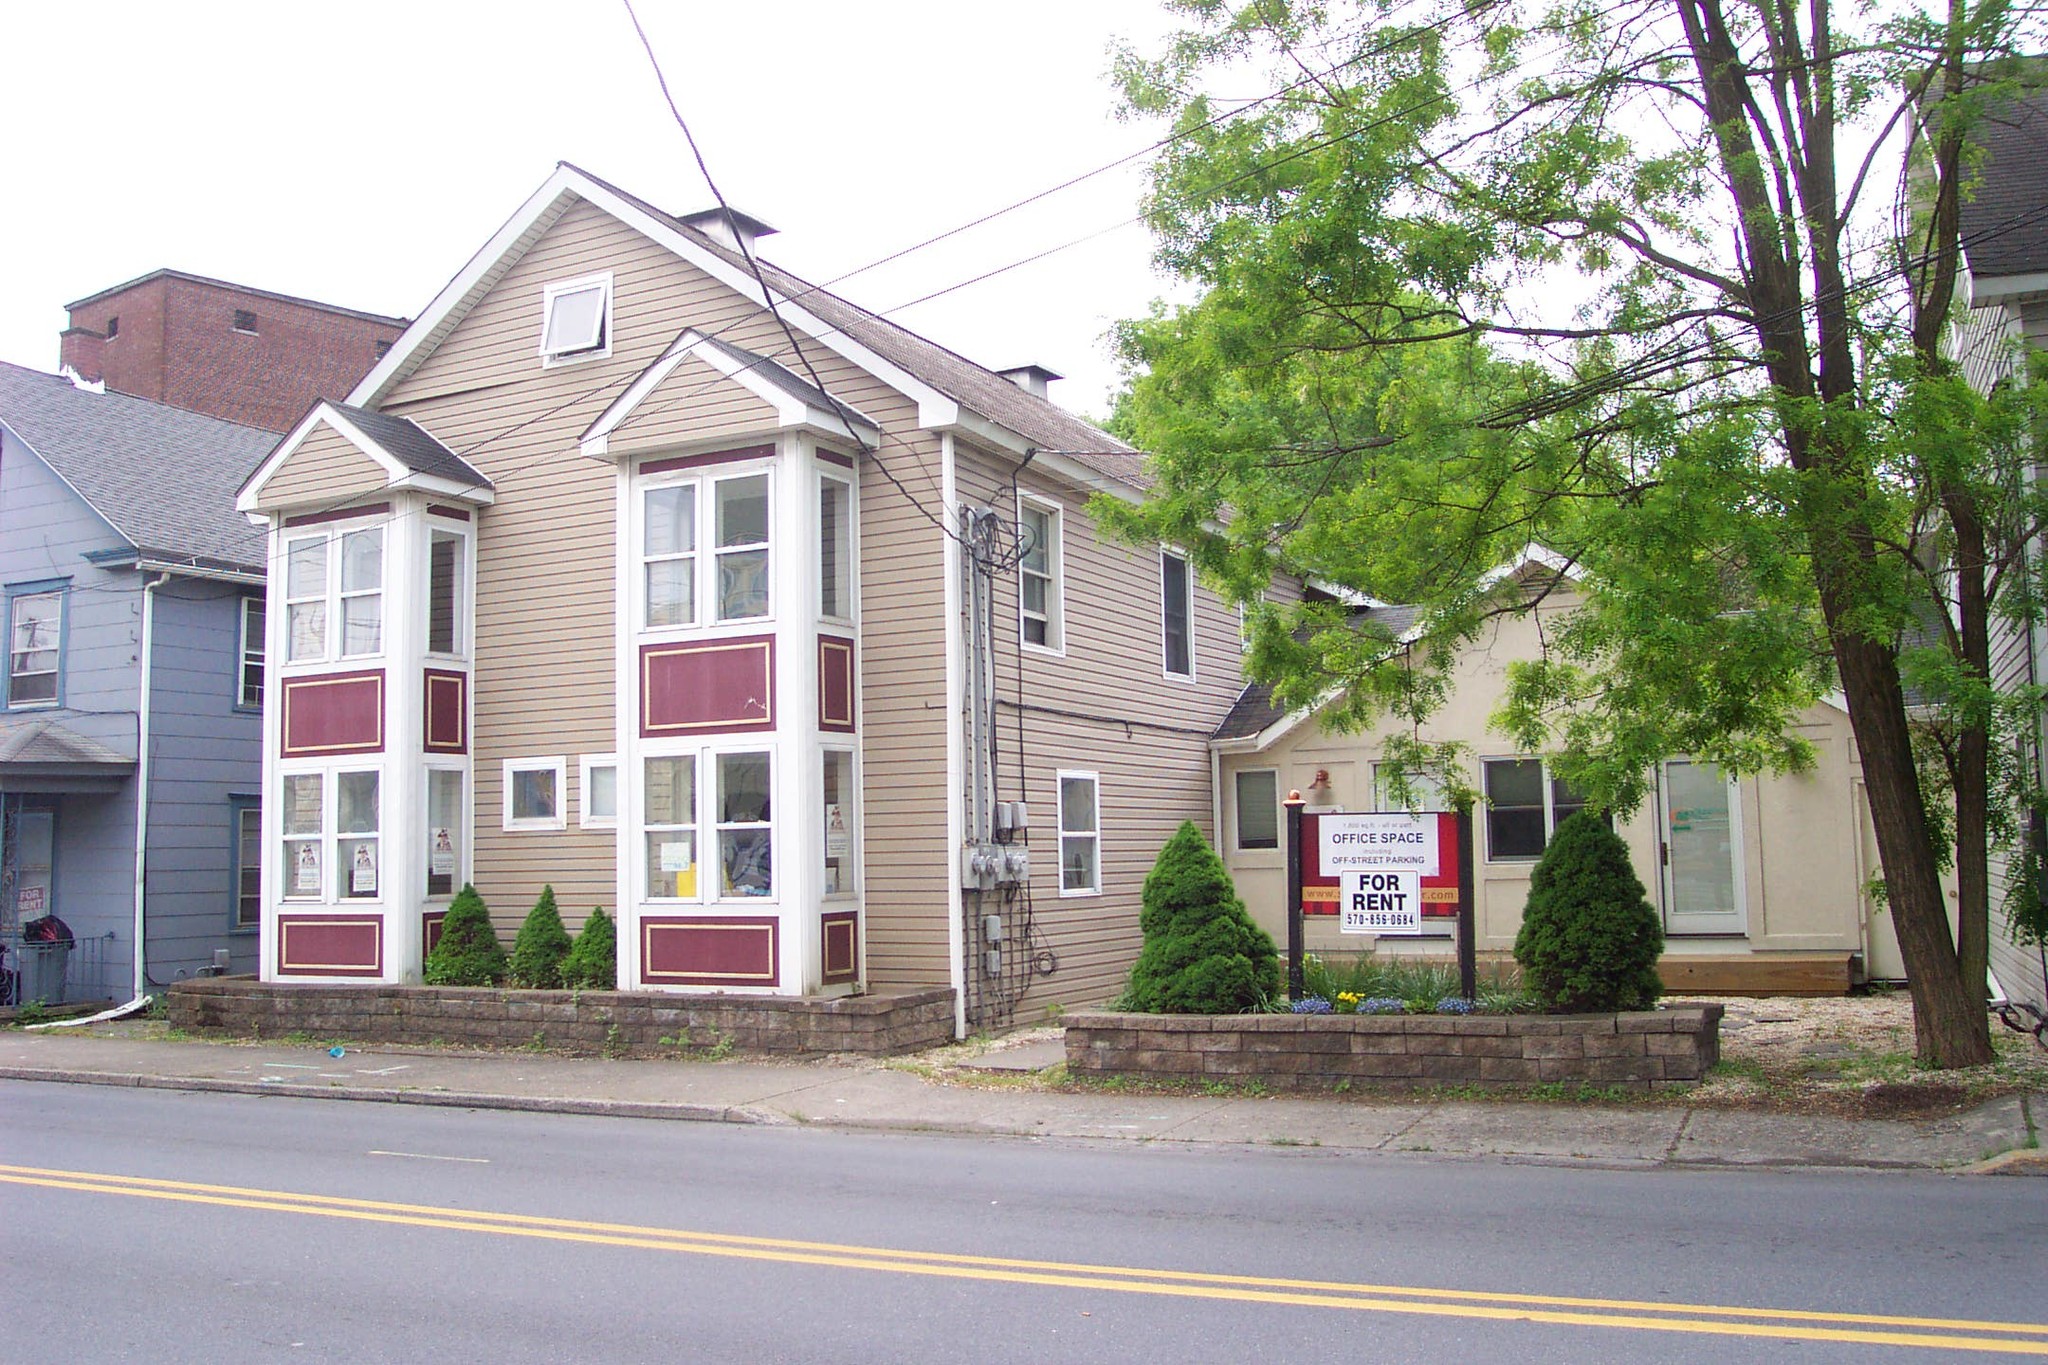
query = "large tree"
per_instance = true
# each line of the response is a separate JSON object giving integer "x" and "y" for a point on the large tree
{"x": 1664, "y": 286}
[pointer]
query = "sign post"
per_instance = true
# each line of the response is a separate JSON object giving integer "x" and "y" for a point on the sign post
{"x": 1294, "y": 803}
{"x": 1468, "y": 948}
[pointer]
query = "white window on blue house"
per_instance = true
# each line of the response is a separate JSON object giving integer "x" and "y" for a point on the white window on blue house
{"x": 35, "y": 635}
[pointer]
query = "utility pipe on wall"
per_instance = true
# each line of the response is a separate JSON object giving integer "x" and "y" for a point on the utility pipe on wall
{"x": 142, "y": 773}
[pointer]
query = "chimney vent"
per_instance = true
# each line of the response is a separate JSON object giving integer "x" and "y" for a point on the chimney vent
{"x": 729, "y": 227}
{"x": 1031, "y": 378}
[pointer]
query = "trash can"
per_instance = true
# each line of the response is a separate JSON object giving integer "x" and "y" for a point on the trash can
{"x": 45, "y": 953}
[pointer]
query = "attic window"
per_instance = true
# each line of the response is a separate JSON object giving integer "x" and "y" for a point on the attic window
{"x": 576, "y": 320}
{"x": 245, "y": 321}
{"x": 113, "y": 326}
{"x": 379, "y": 349}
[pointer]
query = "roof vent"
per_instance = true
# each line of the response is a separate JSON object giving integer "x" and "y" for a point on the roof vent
{"x": 729, "y": 227}
{"x": 1031, "y": 378}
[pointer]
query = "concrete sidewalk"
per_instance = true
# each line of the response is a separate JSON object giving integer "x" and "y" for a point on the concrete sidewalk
{"x": 859, "y": 1094}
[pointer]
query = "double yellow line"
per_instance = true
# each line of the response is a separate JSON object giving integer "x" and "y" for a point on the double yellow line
{"x": 1954, "y": 1334}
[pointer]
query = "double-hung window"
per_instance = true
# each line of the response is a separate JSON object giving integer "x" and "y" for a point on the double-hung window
{"x": 447, "y": 570}
{"x": 446, "y": 823}
{"x": 250, "y": 684}
{"x": 1258, "y": 808}
{"x": 248, "y": 835}
{"x": 1525, "y": 804}
{"x": 669, "y": 822}
{"x": 730, "y": 516}
{"x": 1177, "y": 627}
{"x": 576, "y": 320}
{"x": 334, "y": 577}
{"x": 35, "y": 637}
{"x": 835, "y": 548}
{"x": 736, "y": 805}
{"x": 1038, "y": 576}
{"x": 1080, "y": 834}
{"x": 331, "y": 824}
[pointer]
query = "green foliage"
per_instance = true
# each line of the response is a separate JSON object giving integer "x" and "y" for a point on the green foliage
{"x": 593, "y": 962}
{"x": 1589, "y": 939}
{"x": 1368, "y": 976}
{"x": 1202, "y": 954}
{"x": 541, "y": 947}
{"x": 469, "y": 953}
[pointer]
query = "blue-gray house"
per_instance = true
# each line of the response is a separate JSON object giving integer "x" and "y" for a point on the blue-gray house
{"x": 130, "y": 690}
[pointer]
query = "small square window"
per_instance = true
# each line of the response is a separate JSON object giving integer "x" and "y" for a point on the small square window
{"x": 576, "y": 320}
{"x": 245, "y": 321}
{"x": 379, "y": 349}
{"x": 600, "y": 783}
{"x": 533, "y": 793}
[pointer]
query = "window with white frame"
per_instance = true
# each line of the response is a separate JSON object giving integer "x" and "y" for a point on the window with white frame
{"x": 1258, "y": 808}
{"x": 447, "y": 824}
{"x": 734, "y": 858}
{"x": 1524, "y": 805}
{"x": 330, "y": 828}
{"x": 839, "y": 822}
{"x": 745, "y": 825}
{"x": 533, "y": 793}
{"x": 35, "y": 635}
{"x": 669, "y": 825}
{"x": 1039, "y": 589}
{"x": 576, "y": 320}
{"x": 447, "y": 574}
{"x": 249, "y": 685}
{"x": 599, "y": 782}
{"x": 334, "y": 576}
{"x": 1395, "y": 789}
{"x": 835, "y": 548}
{"x": 1176, "y": 614}
{"x": 730, "y": 515}
{"x": 1080, "y": 834}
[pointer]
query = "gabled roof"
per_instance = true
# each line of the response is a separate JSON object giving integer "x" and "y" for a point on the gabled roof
{"x": 164, "y": 479}
{"x": 43, "y": 742}
{"x": 2005, "y": 205}
{"x": 951, "y": 391}
{"x": 408, "y": 455}
{"x": 1254, "y": 712}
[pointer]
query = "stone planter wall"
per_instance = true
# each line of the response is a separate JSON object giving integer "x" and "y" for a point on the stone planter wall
{"x": 1645, "y": 1050}
{"x": 877, "y": 1025}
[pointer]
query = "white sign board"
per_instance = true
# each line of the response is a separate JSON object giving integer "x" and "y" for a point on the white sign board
{"x": 1387, "y": 901}
{"x": 1362, "y": 843}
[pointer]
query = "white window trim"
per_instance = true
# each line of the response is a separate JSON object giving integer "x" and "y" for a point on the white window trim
{"x": 849, "y": 806}
{"x": 1237, "y": 813}
{"x": 642, "y": 864}
{"x": 707, "y": 856}
{"x": 1485, "y": 835}
{"x": 852, "y": 595}
{"x": 333, "y": 879}
{"x": 242, "y": 655}
{"x": 337, "y": 616}
{"x": 558, "y": 764}
{"x": 465, "y": 828}
{"x": 713, "y": 551}
{"x": 56, "y": 674}
{"x": 465, "y": 593}
{"x": 584, "y": 818}
{"x": 1056, "y": 590}
{"x": 704, "y": 603}
{"x": 1059, "y": 816}
{"x": 331, "y": 595}
{"x": 1188, "y": 571}
{"x": 607, "y": 324}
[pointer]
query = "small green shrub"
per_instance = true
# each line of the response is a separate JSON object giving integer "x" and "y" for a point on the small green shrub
{"x": 542, "y": 946}
{"x": 1589, "y": 939}
{"x": 593, "y": 961}
{"x": 469, "y": 953}
{"x": 1202, "y": 954}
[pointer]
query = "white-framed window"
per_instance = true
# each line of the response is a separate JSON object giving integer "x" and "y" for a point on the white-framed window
{"x": 669, "y": 826}
{"x": 1041, "y": 591}
{"x": 680, "y": 520}
{"x": 841, "y": 838}
{"x": 576, "y": 322}
{"x": 1257, "y": 793}
{"x": 35, "y": 640}
{"x": 249, "y": 685}
{"x": 707, "y": 825}
{"x": 599, "y": 783}
{"x": 746, "y": 826}
{"x": 1424, "y": 791}
{"x": 1524, "y": 804}
{"x": 534, "y": 795}
{"x": 447, "y": 591}
{"x": 447, "y": 829}
{"x": 1080, "y": 820}
{"x": 1176, "y": 615}
{"x": 334, "y": 575}
{"x": 835, "y": 548}
{"x": 331, "y": 828}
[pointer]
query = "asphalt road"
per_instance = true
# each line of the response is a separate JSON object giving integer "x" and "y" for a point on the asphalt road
{"x": 169, "y": 1226}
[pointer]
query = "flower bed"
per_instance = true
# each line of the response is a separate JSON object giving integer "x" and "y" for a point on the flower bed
{"x": 1646, "y": 1049}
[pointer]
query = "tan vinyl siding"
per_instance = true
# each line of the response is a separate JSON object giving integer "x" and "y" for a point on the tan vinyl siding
{"x": 695, "y": 403}
{"x": 326, "y": 468}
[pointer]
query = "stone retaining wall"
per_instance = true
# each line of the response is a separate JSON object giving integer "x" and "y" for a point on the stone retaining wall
{"x": 1648, "y": 1049}
{"x": 577, "y": 1021}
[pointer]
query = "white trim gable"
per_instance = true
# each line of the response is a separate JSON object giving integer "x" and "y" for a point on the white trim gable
{"x": 790, "y": 409}
{"x": 398, "y": 474}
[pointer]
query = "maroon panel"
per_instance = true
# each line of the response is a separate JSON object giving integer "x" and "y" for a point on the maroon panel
{"x": 334, "y": 713}
{"x": 835, "y": 684}
{"x": 447, "y": 712}
{"x": 682, "y": 951}
{"x": 842, "y": 946}
{"x": 368, "y": 509}
{"x": 441, "y": 510}
{"x": 834, "y": 457}
{"x": 330, "y": 945}
{"x": 710, "y": 457}
{"x": 719, "y": 686}
{"x": 431, "y": 924}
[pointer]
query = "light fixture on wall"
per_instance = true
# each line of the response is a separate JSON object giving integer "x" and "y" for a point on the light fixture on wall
{"x": 1319, "y": 790}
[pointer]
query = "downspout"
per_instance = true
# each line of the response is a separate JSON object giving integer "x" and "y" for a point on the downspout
{"x": 142, "y": 775}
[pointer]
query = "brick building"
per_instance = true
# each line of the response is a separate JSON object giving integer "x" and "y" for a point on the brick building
{"x": 239, "y": 354}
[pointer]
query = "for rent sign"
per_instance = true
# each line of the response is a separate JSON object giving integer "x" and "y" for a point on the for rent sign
{"x": 1385, "y": 902}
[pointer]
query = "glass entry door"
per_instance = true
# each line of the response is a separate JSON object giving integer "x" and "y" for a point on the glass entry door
{"x": 1701, "y": 850}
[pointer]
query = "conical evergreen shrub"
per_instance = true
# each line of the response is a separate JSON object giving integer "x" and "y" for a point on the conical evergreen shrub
{"x": 542, "y": 944}
{"x": 1202, "y": 954}
{"x": 593, "y": 963}
{"x": 468, "y": 953}
{"x": 1589, "y": 939}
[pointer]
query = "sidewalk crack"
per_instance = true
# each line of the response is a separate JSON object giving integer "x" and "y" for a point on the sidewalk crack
{"x": 1411, "y": 1126}
{"x": 1671, "y": 1151}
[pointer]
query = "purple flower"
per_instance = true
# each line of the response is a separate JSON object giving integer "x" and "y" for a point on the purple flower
{"x": 1311, "y": 1004}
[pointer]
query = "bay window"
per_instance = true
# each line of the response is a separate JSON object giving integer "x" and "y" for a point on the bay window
{"x": 730, "y": 515}
{"x": 334, "y": 576}
{"x": 331, "y": 820}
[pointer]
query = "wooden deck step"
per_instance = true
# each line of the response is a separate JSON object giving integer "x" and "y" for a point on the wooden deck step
{"x": 1757, "y": 973}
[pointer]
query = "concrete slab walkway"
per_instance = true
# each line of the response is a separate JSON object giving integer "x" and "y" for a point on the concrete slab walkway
{"x": 861, "y": 1094}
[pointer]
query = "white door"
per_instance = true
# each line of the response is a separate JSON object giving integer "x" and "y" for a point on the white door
{"x": 1701, "y": 850}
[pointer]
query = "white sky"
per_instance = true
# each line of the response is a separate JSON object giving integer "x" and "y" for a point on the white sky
{"x": 359, "y": 157}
